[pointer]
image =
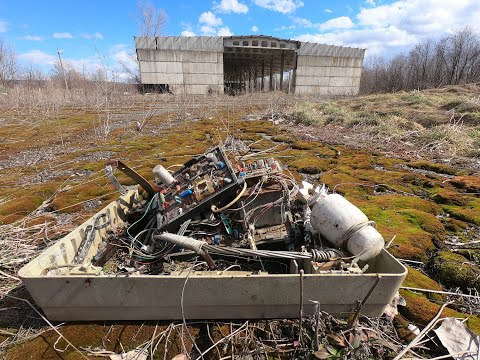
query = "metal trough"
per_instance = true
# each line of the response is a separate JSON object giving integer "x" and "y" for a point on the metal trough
{"x": 217, "y": 295}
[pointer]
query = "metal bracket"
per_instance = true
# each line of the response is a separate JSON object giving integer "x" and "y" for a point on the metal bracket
{"x": 113, "y": 179}
{"x": 132, "y": 174}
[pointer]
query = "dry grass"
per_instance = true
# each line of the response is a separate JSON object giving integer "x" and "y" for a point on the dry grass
{"x": 441, "y": 122}
{"x": 55, "y": 145}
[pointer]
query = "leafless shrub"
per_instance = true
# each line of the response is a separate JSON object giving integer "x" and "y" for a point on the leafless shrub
{"x": 150, "y": 20}
{"x": 9, "y": 67}
{"x": 452, "y": 60}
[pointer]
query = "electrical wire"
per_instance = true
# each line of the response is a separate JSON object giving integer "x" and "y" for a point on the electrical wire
{"x": 144, "y": 214}
{"x": 216, "y": 210}
{"x": 259, "y": 185}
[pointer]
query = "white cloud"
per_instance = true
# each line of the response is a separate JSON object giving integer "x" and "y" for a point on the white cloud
{"x": 228, "y": 6}
{"x": 342, "y": 22}
{"x": 282, "y": 6}
{"x": 254, "y": 28}
{"x": 389, "y": 29}
{"x": 329, "y": 11}
{"x": 207, "y": 30}
{"x": 285, "y": 27}
{"x": 123, "y": 55}
{"x": 376, "y": 42}
{"x": 370, "y": 2}
{"x": 38, "y": 57}
{"x": 210, "y": 24}
{"x": 224, "y": 31}
{"x": 3, "y": 26}
{"x": 187, "y": 33}
{"x": 96, "y": 36}
{"x": 210, "y": 19}
{"x": 62, "y": 35}
{"x": 423, "y": 17}
{"x": 33, "y": 38}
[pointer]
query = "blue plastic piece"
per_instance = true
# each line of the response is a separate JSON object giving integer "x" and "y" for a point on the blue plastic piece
{"x": 216, "y": 239}
{"x": 186, "y": 193}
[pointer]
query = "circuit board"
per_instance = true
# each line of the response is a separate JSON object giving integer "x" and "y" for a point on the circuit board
{"x": 200, "y": 183}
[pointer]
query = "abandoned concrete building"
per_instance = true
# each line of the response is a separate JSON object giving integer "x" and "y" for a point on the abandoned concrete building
{"x": 199, "y": 65}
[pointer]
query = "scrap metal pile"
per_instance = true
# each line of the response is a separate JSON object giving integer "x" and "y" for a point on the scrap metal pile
{"x": 212, "y": 215}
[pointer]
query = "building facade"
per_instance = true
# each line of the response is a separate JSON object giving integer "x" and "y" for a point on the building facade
{"x": 200, "y": 65}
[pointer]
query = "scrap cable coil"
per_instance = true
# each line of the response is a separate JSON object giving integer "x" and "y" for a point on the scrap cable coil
{"x": 201, "y": 247}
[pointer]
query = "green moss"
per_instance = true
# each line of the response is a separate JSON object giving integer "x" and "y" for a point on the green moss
{"x": 467, "y": 183}
{"x": 454, "y": 270}
{"x": 425, "y": 221}
{"x": 19, "y": 206}
{"x": 438, "y": 168}
{"x": 468, "y": 212}
{"x": 283, "y": 138}
{"x": 470, "y": 254}
{"x": 449, "y": 197}
{"x": 418, "y": 279}
{"x": 304, "y": 145}
{"x": 401, "y": 202}
{"x": 421, "y": 311}
{"x": 118, "y": 338}
{"x": 415, "y": 232}
{"x": 454, "y": 226}
{"x": 74, "y": 200}
{"x": 309, "y": 164}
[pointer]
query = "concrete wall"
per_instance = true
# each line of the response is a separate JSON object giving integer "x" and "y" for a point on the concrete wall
{"x": 328, "y": 70}
{"x": 194, "y": 65}
{"x": 189, "y": 65}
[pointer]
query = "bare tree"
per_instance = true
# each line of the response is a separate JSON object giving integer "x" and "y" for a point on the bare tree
{"x": 33, "y": 77}
{"x": 454, "y": 59}
{"x": 150, "y": 20}
{"x": 9, "y": 67}
{"x": 65, "y": 75}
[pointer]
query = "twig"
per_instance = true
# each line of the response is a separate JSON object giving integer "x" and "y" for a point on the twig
{"x": 439, "y": 292}
{"x": 361, "y": 304}
{"x": 422, "y": 333}
{"x": 183, "y": 310}
{"x": 390, "y": 242}
{"x": 472, "y": 352}
{"x": 48, "y": 322}
{"x": 222, "y": 340}
{"x": 300, "y": 327}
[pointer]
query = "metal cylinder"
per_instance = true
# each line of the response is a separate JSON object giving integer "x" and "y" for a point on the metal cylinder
{"x": 345, "y": 225}
{"x": 163, "y": 175}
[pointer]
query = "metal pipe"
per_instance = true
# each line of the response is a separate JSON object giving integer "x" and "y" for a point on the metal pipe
{"x": 187, "y": 243}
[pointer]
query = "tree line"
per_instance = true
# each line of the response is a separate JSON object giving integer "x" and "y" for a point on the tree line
{"x": 453, "y": 59}
{"x": 62, "y": 74}
{"x": 150, "y": 21}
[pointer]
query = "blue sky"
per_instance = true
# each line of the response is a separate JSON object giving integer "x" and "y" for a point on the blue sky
{"x": 91, "y": 32}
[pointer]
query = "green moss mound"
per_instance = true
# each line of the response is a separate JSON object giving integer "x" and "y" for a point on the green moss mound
{"x": 454, "y": 270}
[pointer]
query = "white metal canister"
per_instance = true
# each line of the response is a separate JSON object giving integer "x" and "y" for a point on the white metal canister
{"x": 163, "y": 175}
{"x": 345, "y": 225}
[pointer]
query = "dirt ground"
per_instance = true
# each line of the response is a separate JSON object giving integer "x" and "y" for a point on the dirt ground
{"x": 408, "y": 160}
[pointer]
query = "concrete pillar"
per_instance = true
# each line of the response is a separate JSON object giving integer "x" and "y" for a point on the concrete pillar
{"x": 240, "y": 83}
{"x": 255, "y": 77}
{"x": 271, "y": 74}
{"x": 294, "y": 73}
{"x": 249, "y": 79}
{"x": 281, "y": 69}
{"x": 263, "y": 74}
